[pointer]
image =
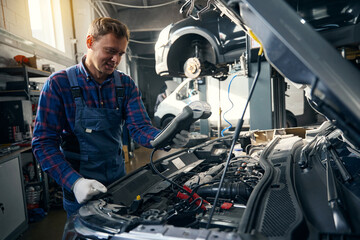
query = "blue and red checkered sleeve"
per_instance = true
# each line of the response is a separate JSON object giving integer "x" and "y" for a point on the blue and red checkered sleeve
{"x": 137, "y": 119}
{"x": 49, "y": 123}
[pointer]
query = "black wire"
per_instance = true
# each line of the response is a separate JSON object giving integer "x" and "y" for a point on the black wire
{"x": 177, "y": 177}
{"x": 314, "y": 107}
{"x": 167, "y": 179}
{"x": 198, "y": 207}
{"x": 162, "y": 176}
{"x": 236, "y": 136}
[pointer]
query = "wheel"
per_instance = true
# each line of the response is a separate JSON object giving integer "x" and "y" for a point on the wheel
{"x": 166, "y": 121}
{"x": 192, "y": 68}
{"x": 290, "y": 119}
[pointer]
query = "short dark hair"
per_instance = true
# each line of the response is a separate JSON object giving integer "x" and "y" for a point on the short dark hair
{"x": 104, "y": 25}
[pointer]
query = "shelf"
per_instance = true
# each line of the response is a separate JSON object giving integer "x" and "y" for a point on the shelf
{"x": 21, "y": 88}
{"x": 11, "y": 153}
{"x": 19, "y": 70}
{"x": 14, "y": 93}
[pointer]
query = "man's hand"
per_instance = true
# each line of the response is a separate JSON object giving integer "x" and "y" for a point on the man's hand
{"x": 84, "y": 189}
{"x": 181, "y": 139}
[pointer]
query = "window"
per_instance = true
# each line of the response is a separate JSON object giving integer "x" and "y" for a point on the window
{"x": 46, "y": 22}
{"x": 188, "y": 90}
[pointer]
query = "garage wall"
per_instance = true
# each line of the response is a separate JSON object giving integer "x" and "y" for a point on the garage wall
{"x": 16, "y": 36}
{"x": 15, "y": 17}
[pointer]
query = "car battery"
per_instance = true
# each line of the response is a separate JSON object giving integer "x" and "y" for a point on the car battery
{"x": 15, "y": 120}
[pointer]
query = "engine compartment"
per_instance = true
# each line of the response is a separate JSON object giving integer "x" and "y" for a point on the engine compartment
{"x": 277, "y": 187}
{"x": 198, "y": 171}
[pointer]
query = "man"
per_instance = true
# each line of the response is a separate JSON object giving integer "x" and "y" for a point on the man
{"x": 81, "y": 112}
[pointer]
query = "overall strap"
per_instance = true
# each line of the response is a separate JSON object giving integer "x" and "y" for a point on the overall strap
{"x": 74, "y": 84}
{"x": 120, "y": 91}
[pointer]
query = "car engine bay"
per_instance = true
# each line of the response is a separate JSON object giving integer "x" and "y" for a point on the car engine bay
{"x": 279, "y": 185}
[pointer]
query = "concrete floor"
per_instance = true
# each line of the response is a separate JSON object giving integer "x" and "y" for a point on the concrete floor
{"x": 52, "y": 226}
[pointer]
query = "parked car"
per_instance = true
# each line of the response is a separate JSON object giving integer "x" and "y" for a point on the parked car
{"x": 188, "y": 91}
{"x": 283, "y": 184}
{"x": 191, "y": 48}
{"x": 173, "y": 104}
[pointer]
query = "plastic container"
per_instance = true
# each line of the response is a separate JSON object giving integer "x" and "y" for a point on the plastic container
{"x": 33, "y": 196}
{"x": 238, "y": 151}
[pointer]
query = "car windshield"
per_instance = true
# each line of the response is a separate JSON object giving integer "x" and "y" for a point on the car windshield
{"x": 188, "y": 90}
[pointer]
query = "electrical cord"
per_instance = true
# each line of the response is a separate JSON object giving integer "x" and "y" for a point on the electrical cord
{"x": 232, "y": 105}
{"x": 236, "y": 135}
{"x": 181, "y": 175}
{"x": 191, "y": 195}
{"x": 314, "y": 107}
{"x": 197, "y": 207}
{"x": 261, "y": 50}
{"x": 162, "y": 176}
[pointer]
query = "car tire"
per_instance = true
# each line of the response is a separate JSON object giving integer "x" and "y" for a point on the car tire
{"x": 166, "y": 121}
{"x": 290, "y": 119}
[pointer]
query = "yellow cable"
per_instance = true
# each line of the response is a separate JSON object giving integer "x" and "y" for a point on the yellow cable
{"x": 257, "y": 40}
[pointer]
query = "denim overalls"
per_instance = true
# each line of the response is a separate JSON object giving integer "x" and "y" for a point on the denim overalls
{"x": 99, "y": 133}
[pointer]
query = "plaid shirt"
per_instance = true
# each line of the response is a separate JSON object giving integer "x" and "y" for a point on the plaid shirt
{"x": 56, "y": 116}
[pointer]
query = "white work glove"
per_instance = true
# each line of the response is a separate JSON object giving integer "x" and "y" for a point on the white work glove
{"x": 84, "y": 189}
{"x": 181, "y": 139}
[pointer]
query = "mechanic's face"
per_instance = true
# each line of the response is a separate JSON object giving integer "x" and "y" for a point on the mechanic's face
{"x": 104, "y": 54}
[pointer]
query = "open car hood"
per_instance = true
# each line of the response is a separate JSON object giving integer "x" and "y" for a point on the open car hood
{"x": 303, "y": 56}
